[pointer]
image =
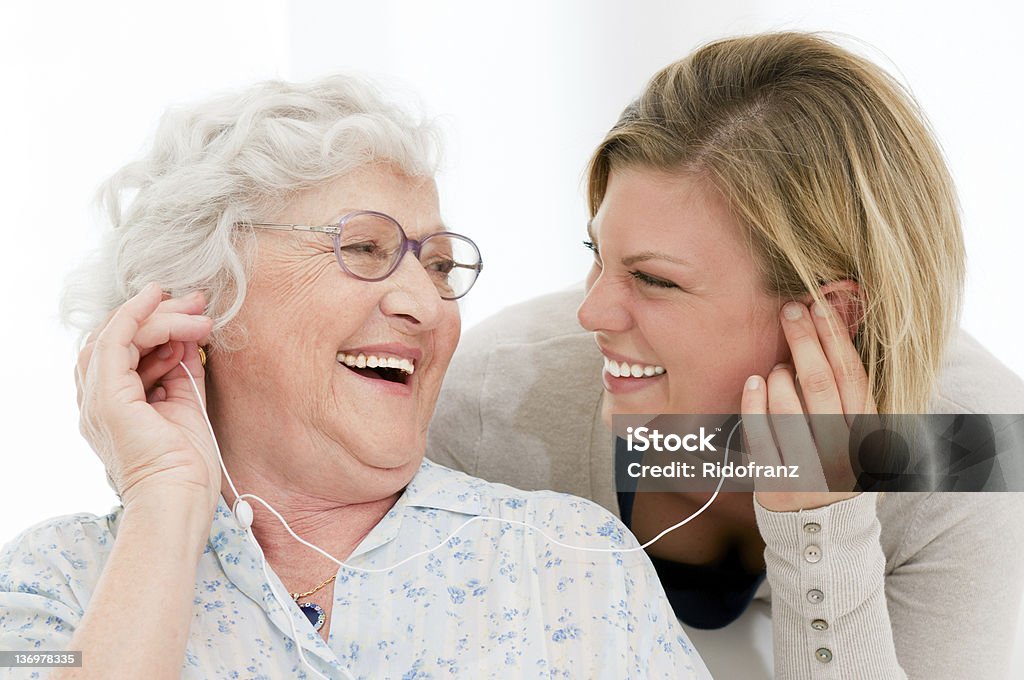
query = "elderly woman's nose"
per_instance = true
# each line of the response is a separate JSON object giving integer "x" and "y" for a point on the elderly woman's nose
{"x": 413, "y": 296}
{"x": 604, "y": 307}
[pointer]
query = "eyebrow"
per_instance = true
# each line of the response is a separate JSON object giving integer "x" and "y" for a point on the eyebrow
{"x": 652, "y": 255}
{"x": 640, "y": 257}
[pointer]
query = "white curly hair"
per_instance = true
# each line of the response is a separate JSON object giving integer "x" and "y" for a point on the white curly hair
{"x": 233, "y": 159}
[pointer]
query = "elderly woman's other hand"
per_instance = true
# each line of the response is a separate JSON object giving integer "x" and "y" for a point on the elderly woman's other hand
{"x": 138, "y": 408}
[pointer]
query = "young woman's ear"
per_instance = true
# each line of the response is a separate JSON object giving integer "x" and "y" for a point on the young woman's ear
{"x": 845, "y": 299}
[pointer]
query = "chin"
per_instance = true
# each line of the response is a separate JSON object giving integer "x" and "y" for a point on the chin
{"x": 403, "y": 466}
{"x": 395, "y": 461}
{"x": 396, "y": 452}
{"x": 613, "y": 406}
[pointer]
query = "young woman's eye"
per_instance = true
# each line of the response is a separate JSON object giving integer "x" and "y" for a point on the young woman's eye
{"x": 592, "y": 247}
{"x": 652, "y": 281}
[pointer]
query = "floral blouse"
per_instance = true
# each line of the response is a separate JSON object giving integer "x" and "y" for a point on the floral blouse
{"x": 499, "y": 600}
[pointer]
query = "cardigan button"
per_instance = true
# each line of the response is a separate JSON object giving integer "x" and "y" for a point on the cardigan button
{"x": 812, "y": 554}
{"x": 819, "y": 624}
{"x": 815, "y": 596}
{"x": 823, "y": 654}
{"x": 812, "y": 527}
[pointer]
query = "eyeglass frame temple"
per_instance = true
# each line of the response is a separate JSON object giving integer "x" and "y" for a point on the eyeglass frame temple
{"x": 320, "y": 229}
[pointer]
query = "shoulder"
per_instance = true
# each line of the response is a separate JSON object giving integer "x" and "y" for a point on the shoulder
{"x": 950, "y": 527}
{"x": 539, "y": 335}
{"x": 972, "y": 380}
{"x": 521, "y": 399}
{"x": 540, "y": 320}
{"x": 535, "y": 323}
{"x": 60, "y": 557}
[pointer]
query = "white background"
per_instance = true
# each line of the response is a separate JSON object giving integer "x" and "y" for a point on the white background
{"x": 524, "y": 91}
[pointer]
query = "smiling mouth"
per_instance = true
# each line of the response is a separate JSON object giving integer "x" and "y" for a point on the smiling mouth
{"x": 622, "y": 369}
{"x": 379, "y": 367}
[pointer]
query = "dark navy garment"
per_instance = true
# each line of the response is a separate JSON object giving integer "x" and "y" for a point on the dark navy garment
{"x": 704, "y": 596}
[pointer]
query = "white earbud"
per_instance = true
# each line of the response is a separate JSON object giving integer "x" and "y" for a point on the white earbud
{"x": 243, "y": 514}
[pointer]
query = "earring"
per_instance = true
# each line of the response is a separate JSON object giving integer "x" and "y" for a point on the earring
{"x": 202, "y": 355}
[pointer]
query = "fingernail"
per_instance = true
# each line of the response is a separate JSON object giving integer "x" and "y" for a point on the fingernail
{"x": 165, "y": 351}
{"x": 779, "y": 367}
{"x": 754, "y": 383}
{"x": 820, "y": 311}
{"x": 792, "y": 311}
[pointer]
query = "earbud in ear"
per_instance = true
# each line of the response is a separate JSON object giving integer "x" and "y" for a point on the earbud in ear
{"x": 844, "y": 297}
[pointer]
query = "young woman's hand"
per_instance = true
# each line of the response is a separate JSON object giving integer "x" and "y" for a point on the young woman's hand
{"x": 789, "y": 425}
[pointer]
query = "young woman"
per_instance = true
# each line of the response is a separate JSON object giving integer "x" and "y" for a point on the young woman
{"x": 770, "y": 207}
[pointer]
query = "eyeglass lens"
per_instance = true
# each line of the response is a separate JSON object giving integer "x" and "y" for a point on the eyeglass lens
{"x": 370, "y": 247}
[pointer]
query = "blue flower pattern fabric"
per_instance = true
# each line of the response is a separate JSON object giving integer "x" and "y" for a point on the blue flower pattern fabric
{"x": 499, "y": 600}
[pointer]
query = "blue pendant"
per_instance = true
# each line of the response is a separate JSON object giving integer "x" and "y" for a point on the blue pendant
{"x": 313, "y": 612}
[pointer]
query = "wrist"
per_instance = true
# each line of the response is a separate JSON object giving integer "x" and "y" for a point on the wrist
{"x": 779, "y": 501}
{"x": 172, "y": 510}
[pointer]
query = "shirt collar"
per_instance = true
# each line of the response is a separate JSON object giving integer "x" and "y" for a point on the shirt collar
{"x": 433, "y": 487}
{"x": 438, "y": 487}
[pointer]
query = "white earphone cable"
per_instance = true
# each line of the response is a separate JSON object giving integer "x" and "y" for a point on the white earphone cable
{"x": 243, "y": 514}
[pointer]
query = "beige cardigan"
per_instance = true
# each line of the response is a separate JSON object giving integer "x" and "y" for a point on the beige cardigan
{"x": 914, "y": 585}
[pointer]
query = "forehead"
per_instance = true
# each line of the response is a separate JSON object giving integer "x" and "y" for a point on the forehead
{"x": 413, "y": 201}
{"x": 647, "y": 209}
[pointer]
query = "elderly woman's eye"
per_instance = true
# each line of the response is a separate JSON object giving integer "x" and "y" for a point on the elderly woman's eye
{"x": 439, "y": 265}
{"x": 652, "y": 281}
{"x": 592, "y": 247}
{"x": 365, "y": 250}
{"x": 360, "y": 247}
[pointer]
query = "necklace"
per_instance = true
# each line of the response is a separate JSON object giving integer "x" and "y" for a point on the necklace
{"x": 313, "y": 611}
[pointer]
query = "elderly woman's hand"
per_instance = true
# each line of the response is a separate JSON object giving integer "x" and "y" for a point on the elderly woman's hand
{"x": 138, "y": 409}
{"x": 833, "y": 392}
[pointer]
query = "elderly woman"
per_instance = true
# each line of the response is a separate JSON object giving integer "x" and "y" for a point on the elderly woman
{"x": 762, "y": 202}
{"x": 311, "y": 291}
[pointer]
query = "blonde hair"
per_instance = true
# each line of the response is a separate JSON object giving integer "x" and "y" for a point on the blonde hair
{"x": 832, "y": 171}
{"x": 237, "y": 157}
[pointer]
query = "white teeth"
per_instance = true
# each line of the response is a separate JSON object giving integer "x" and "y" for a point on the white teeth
{"x": 626, "y": 370}
{"x": 374, "y": 361}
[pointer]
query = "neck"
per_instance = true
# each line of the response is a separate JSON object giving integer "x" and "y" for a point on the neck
{"x": 328, "y": 497}
{"x": 334, "y": 526}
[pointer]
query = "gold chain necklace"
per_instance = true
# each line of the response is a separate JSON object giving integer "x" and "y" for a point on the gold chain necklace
{"x": 298, "y": 596}
{"x": 313, "y": 611}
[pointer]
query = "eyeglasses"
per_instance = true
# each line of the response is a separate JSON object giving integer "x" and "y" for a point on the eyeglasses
{"x": 369, "y": 245}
